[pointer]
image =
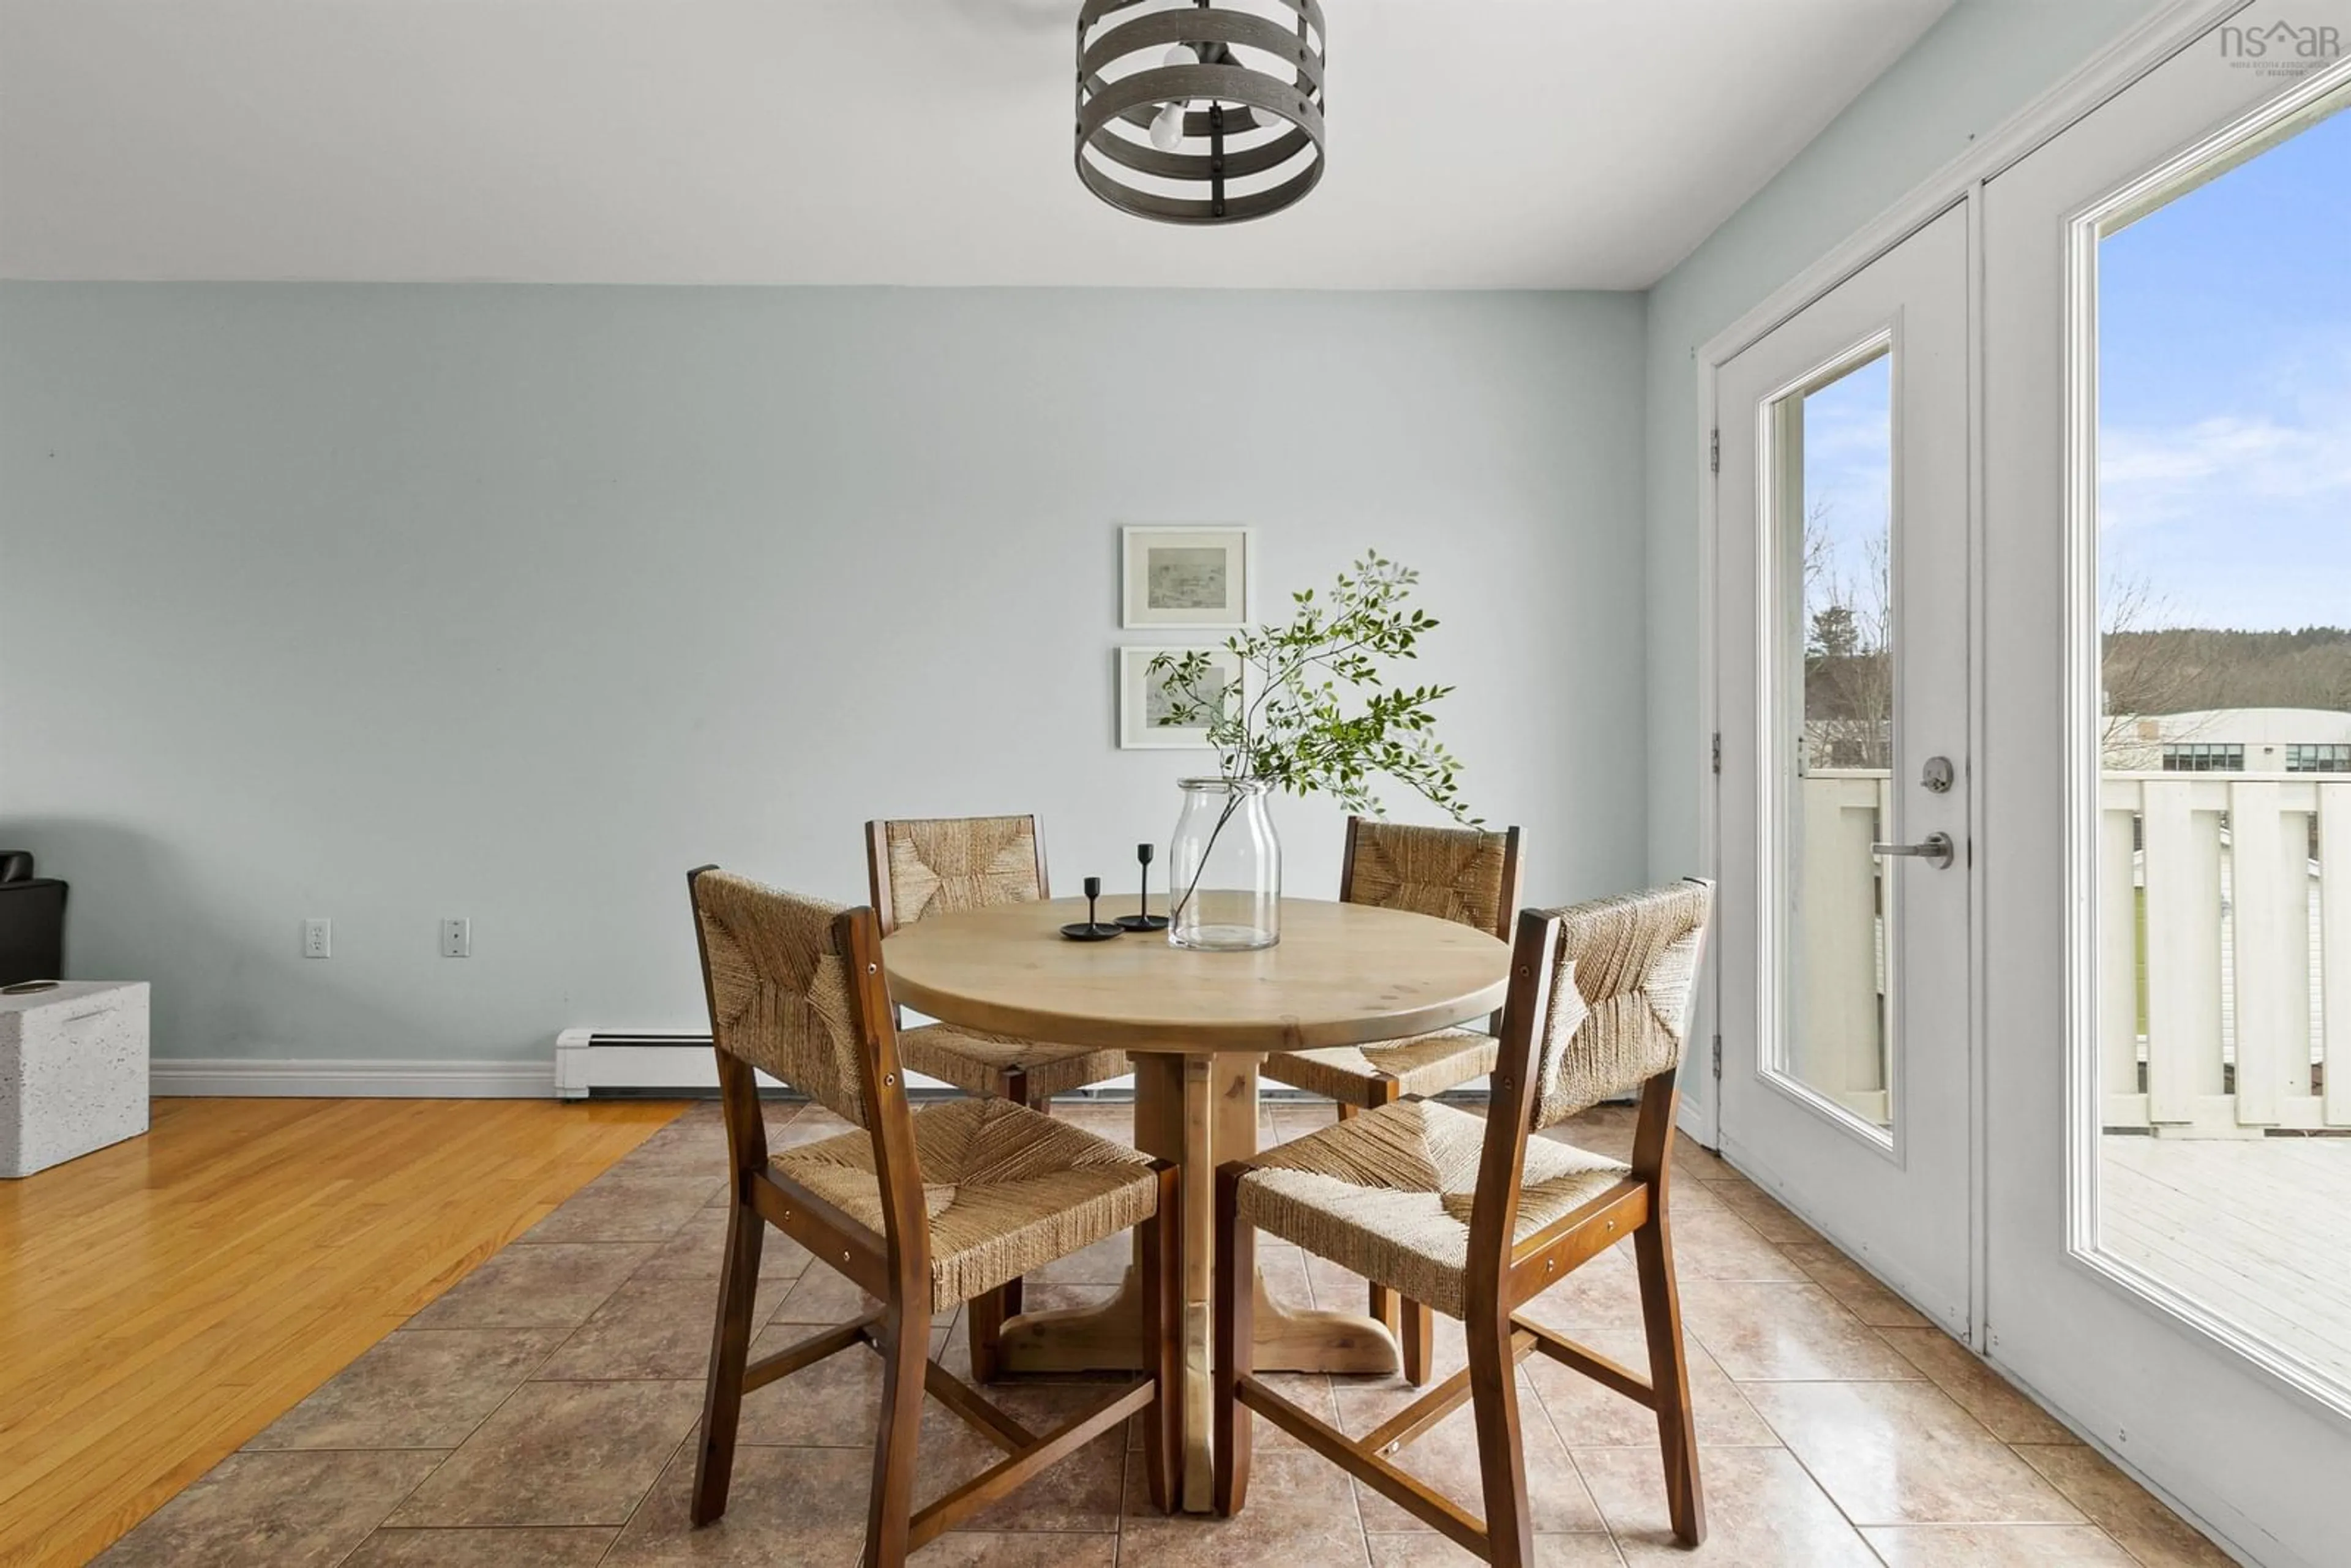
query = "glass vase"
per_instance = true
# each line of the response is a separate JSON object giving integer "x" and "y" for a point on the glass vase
{"x": 1224, "y": 868}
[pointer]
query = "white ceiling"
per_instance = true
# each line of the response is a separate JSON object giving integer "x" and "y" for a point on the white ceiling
{"x": 1474, "y": 144}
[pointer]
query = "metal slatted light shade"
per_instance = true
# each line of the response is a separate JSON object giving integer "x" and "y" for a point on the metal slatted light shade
{"x": 1200, "y": 111}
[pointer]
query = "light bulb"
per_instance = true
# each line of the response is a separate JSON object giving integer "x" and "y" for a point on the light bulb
{"x": 1167, "y": 125}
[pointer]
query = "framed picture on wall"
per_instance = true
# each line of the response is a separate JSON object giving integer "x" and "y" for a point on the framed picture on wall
{"x": 1185, "y": 576}
{"x": 1145, "y": 703}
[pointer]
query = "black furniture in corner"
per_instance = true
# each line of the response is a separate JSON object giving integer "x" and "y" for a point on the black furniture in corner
{"x": 32, "y": 921}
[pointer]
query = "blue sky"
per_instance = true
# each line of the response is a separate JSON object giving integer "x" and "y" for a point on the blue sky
{"x": 2224, "y": 337}
{"x": 1848, "y": 483}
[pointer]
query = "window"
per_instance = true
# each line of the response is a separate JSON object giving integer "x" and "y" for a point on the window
{"x": 2202, "y": 757}
{"x": 1833, "y": 445}
{"x": 2318, "y": 759}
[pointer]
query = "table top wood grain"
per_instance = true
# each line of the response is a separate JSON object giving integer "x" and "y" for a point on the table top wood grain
{"x": 1343, "y": 973}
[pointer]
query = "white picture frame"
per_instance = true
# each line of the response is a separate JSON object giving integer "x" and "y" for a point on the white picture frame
{"x": 1197, "y": 578}
{"x": 1136, "y": 694}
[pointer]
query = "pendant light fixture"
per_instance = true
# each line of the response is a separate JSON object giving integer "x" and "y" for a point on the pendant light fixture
{"x": 1200, "y": 111}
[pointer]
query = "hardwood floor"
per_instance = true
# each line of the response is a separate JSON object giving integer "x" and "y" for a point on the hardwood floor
{"x": 163, "y": 1301}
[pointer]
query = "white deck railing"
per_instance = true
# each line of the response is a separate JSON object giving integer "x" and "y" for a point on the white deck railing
{"x": 2221, "y": 940}
{"x": 1837, "y": 1046}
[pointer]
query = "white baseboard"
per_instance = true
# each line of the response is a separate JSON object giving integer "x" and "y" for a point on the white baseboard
{"x": 1694, "y": 1122}
{"x": 587, "y": 1060}
{"x": 234, "y": 1078}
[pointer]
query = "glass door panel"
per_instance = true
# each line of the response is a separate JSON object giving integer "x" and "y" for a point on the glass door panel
{"x": 1834, "y": 451}
{"x": 2222, "y": 380}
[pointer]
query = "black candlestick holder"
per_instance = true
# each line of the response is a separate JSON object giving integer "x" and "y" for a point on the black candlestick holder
{"x": 1093, "y": 928}
{"x": 1142, "y": 919}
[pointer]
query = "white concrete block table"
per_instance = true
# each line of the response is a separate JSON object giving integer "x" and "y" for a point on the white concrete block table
{"x": 73, "y": 1072}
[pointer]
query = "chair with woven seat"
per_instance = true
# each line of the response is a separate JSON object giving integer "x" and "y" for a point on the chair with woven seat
{"x": 1462, "y": 874}
{"x": 924, "y": 1209}
{"x": 1476, "y": 1217}
{"x": 931, "y": 865}
{"x": 922, "y": 866}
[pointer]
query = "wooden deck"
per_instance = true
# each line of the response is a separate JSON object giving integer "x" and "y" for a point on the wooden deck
{"x": 2258, "y": 1228}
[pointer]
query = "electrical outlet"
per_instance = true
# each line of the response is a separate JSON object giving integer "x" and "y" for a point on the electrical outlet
{"x": 317, "y": 938}
{"x": 456, "y": 940}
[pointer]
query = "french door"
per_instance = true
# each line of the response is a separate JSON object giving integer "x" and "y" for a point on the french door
{"x": 1842, "y": 677}
{"x": 2166, "y": 847}
{"x": 2033, "y": 548}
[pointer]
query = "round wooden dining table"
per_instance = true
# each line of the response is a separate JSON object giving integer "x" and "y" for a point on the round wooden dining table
{"x": 1196, "y": 1025}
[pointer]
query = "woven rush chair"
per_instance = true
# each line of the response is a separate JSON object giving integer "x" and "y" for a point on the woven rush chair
{"x": 934, "y": 865}
{"x": 1462, "y": 874}
{"x": 1476, "y": 1217}
{"x": 919, "y": 866}
{"x": 924, "y": 1209}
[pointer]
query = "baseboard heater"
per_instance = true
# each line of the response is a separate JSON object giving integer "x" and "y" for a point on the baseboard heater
{"x": 590, "y": 1062}
{"x": 587, "y": 1061}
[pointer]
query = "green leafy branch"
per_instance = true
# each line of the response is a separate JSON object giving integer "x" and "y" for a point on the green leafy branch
{"x": 1322, "y": 718}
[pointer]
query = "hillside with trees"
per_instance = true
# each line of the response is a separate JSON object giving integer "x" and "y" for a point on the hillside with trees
{"x": 2150, "y": 669}
{"x": 2189, "y": 669}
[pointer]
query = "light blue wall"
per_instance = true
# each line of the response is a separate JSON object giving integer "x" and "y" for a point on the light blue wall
{"x": 387, "y": 603}
{"x": 1984, "y": 60}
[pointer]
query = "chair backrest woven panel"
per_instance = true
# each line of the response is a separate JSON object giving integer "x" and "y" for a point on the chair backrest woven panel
{"x": 942, "y": 865}
{"x": 779, "y": 996}
{"x": 1454, "y": 874}
{"x": 1620, "y": 999}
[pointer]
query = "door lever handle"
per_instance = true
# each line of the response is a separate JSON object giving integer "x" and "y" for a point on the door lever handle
{"x": 1937, "y": 851}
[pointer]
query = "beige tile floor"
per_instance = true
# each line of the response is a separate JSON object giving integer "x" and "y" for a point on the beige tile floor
{"x": 538, "y": 1416}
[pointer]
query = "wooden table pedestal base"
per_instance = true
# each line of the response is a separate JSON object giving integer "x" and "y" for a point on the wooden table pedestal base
{"x": 1106, "y": 1338}
{"x": 1200, "y": 1110}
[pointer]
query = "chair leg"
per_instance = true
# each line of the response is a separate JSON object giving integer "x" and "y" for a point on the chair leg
{"x": 1161, "y": 1266}
{"x": 730, "y": 1350}
{"x": 1501, "y": 1453}
{"x": 1382, "y": 1306}
{"x": 890, "y": 1508}
{"x": 1383, "y": 1310}
{"x": 991, "y": 1312}
{"x": 1236, "y": 1342}
{"x": 1408, "y": 1321}
{"x": 1661, "y": 1316}
{"x": 1416, "y": 1342}
{"x": 987, "y": 1310}
{"x": 1043, "y": 1105}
